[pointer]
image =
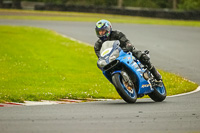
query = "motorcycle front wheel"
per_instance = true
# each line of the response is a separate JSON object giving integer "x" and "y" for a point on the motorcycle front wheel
{"x": 127, "y": 93}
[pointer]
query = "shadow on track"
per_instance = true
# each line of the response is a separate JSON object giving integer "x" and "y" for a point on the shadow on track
{"x": 139, "y": 102}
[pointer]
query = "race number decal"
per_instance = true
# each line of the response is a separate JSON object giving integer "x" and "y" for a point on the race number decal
{"x": 105, "y": 52}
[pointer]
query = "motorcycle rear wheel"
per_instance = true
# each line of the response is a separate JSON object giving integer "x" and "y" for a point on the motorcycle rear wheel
{"x": 130, "y": 96}
{"x": 159, "y": 94}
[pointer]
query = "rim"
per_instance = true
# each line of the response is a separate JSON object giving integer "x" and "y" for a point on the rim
{"x": 161, "y": 90}
{"x": 130, "y": 91}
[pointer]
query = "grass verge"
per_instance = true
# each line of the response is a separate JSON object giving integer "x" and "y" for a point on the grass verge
{"x": 89, "y": 17}
{"x": 39, "y": 64}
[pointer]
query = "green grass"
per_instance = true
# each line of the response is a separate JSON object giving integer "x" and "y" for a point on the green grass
{"x": 89, "y": 17}
{"x": 39, "y": 64}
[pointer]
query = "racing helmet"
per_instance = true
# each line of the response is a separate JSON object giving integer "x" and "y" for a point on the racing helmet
{"x": 103, "y": 25}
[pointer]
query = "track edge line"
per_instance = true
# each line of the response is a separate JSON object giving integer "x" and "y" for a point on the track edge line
{"x": 187, "y": 93}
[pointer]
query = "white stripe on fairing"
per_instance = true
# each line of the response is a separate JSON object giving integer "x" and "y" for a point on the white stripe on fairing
{"x": 134, "y": 64}
{"x": 183, "y": 94}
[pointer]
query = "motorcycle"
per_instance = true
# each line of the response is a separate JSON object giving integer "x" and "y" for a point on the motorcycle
{"x": 130, "y": 78}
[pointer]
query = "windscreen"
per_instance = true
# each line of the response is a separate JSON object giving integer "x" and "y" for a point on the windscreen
{"x": 106, "y": 48}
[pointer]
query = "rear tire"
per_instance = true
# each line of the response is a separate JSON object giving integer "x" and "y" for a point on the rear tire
{"x": 159, "y": 94}
{"x": 127, "y": 95}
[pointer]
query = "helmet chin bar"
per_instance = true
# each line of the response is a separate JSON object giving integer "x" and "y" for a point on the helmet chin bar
{"x": 104, "y": 38}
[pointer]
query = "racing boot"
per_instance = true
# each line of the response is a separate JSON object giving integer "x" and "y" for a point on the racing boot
{"x": 145, "y": 60}
{"x": 157, "y": 76}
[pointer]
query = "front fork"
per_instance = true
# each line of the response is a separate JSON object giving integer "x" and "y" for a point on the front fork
{"x": 127, "y": 79}
{"x": 128, "y": 83}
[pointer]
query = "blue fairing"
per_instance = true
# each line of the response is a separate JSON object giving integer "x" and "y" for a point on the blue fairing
{"x": 130, "y": 62}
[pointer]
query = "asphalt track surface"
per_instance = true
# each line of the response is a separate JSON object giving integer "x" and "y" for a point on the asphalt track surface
{"x": 172, "y": 48}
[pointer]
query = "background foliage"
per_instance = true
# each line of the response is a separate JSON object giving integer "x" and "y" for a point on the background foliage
{"x": 157, "y": 4}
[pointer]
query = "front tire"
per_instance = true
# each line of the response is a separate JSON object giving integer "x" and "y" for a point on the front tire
{"x": 130, "y": 96}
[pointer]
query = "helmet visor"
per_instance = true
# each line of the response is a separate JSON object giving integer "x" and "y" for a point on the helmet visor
{"x": 101, "y": 32}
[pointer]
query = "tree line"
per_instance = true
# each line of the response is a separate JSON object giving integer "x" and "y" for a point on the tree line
{"x": 155, "y": 4}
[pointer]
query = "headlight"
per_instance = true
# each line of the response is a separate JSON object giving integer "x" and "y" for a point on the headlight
{"x": 101, "y": 63}
{"x": 114, "y": 55}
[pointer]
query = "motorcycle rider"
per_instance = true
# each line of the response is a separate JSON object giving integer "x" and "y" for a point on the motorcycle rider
{"x": 105, "y": 33}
